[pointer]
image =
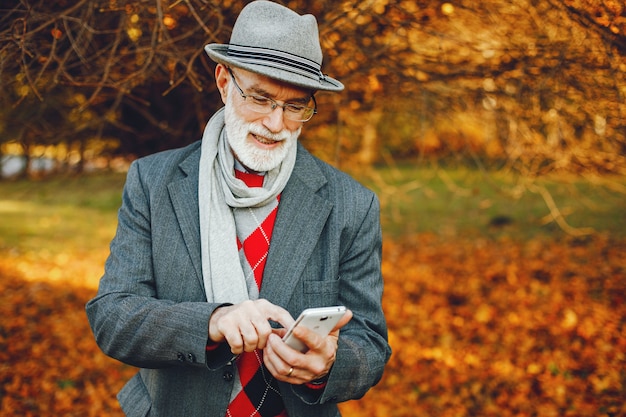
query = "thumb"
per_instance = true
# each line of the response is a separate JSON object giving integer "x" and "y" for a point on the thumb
{"x": 342, "y": 322}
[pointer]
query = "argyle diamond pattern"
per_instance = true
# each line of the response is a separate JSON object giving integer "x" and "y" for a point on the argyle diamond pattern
{"x": 258, "y": 394}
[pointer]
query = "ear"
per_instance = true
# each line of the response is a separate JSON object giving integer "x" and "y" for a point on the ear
{"x": 221, "y": 80}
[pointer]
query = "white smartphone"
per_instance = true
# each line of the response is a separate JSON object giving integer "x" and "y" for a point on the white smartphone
{"x": 321, "y": 320}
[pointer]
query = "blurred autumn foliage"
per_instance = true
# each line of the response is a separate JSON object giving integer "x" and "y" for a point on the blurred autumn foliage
{"x": 538, "y": 84}
{"x": 478, "y": 327}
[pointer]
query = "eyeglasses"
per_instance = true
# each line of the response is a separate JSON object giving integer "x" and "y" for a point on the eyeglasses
{"x": 266, "y": 105}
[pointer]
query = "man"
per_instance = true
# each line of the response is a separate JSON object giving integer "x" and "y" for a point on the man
{"x": 220, "y": 244}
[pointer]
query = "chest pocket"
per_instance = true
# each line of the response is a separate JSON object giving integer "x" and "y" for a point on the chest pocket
{"x": 321, "y": 293}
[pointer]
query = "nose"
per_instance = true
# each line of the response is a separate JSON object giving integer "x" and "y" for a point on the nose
{"x": 274, "y": 121}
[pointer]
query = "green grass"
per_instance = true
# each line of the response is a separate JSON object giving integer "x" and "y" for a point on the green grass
{"x": 59, "y": 215}
{"x": 78, "y": 214}
{"x": 467, "y": 202}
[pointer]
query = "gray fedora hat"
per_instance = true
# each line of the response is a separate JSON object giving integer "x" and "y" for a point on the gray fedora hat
{"x": 272, "y": 40}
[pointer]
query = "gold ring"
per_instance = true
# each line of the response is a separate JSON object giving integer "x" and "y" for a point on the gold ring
{"x": 290, "y": 371}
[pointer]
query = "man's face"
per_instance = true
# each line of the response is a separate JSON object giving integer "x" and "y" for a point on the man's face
{"x": 260, "y": 141}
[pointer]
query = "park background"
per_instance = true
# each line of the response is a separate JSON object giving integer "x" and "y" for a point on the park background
{"x": 493, "y": 132}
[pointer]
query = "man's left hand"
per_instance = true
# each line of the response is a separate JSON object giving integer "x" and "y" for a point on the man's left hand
{"x": 289, "y": 365}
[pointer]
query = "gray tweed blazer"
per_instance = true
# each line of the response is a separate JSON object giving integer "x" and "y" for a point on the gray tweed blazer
{"x": 151, "y": 311}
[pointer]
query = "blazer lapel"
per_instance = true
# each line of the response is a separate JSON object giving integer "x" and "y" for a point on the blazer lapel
{"x": 302, "y": 214}
{"x": 301, "y": 217}
{"x": 184, "y": 196}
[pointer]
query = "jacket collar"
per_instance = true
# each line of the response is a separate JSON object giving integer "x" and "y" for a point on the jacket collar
{"x": 301, "y": 217}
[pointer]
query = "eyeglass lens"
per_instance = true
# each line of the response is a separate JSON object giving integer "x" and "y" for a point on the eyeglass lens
{"x": 266, "y": 105}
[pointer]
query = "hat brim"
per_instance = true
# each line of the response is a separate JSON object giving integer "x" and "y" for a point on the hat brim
{"x": 219, "y": 53}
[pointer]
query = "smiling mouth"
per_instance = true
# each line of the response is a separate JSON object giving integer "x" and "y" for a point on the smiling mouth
{"x": 264, "y": 140}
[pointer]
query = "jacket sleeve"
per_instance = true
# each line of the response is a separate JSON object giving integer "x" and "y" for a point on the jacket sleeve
{"x": 363, "y": 348}
{"x": 135, "y": 316}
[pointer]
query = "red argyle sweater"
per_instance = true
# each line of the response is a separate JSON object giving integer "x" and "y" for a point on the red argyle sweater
{"x": 258, "y": 395}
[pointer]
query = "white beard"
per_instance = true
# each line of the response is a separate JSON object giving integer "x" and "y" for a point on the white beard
{"x": 246, "y": 151}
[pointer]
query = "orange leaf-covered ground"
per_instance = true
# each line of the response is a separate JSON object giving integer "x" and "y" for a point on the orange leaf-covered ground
{"x": 478, "y": 328}
{"x": 498, "y": 328}
{"x": 49, "y": 363}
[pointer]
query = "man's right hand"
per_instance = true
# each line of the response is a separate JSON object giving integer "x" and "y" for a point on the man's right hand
{"x": 245, "y": 326}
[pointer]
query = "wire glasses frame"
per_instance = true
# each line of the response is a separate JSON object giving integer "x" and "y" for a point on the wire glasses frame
{"x": 266, "y": 105}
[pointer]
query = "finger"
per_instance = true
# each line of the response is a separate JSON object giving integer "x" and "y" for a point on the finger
{"x": 244, "y": 326}
{"x": 216, "y": 334}
{"x": 249, "y": 336}
{"x": 343, "y": 321}
{"x": 275, "y": 313}
{"x": 262, "y": 330}
{"x": 312, "y": 340}
{"x": 274, "y": 363}
{"x": 280, "y": 332}
{"x": 315, "y": 341}
{"x": 267, "y": 311}
{"x": 240, "y": 333}
{"x": 280, "y": 358}
{"x": 235, "y": 341}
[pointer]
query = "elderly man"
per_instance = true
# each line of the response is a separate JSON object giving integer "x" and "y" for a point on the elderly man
{"x": 221, "y": 243}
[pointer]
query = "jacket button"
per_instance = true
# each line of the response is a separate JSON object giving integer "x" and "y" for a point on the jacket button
{"x": 180, "y": 357}
{"x": 228, "y": 376}
{"x": 191, "y": 358}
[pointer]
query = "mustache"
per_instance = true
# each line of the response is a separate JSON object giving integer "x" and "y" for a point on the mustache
{"x": 262, "y": 131}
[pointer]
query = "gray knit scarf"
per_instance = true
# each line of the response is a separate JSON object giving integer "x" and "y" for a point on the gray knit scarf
{"x": 218, "y": 192}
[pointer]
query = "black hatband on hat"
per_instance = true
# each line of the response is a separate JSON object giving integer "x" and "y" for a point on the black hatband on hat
{"x": 277, "y": 59}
